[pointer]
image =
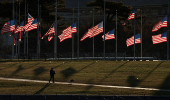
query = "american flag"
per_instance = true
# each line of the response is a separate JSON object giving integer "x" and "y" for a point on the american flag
{"x": 130, "y": 41}
{"x": 19, "y": 36}
{"x": 50, "y": 37}
{"x": 109, "y": 35}
{"x": 162, "y": 23}
{"x": 32, "y": 26}
{"x": 8, "y": 27}
{"x": 159, "y": 38}
{"x": 62, "y": 37}
{"x": 98, "y": 30}
{"x": 20, "y": 27}
{"x": 50, "y": 31}
{"x": 30, "y": 20}
{"x": 67, "y": 33}
{"x": 131, "y": 16}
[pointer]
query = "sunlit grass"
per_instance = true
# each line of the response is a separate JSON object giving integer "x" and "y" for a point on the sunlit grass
{"x": 120, "y": 73}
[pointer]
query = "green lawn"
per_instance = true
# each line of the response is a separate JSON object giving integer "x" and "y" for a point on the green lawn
{"x": 147, "y": 74}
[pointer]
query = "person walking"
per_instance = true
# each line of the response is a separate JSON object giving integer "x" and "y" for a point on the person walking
{"x": 52, "y": 72}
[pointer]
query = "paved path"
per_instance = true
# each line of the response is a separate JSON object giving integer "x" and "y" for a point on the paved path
{"x": 82, "y": 84}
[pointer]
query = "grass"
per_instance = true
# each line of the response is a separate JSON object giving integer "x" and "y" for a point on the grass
{"x": 120, "y": 73}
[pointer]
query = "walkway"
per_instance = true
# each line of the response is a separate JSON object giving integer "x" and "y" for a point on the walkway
{"x": 81, "y": 84}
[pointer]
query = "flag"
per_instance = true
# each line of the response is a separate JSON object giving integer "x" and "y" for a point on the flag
{"x": 50, "y": 31}
{"x": 109, "y": 35}
{"x": 98, "y": 30}
{"x": 67, "y": 33}
{"x": 162, "y": 23}
{"x": 30, "y": 20}
{"x": 130, "y": 41}
{"x": 131, "y": 16}
{"x": 50, "y": 37}
{"x": 20, "y": 27}
{"x": 62, "y": 37}
{"x": 73, "y": 28}
{"x": 32, "y": 26}
{"x": 8, "y": 27}
{"x": 19, "y": 36}
{"x": 159, "y": 38}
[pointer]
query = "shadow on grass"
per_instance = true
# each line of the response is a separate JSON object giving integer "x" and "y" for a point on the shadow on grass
{"x": 113, "y": 71}
{"x": 42, "y": 89}
{"x": 33, "y": 65}
{"x": 133, "y": 81}
{"x": 165, "y": 86}
{"x": 68, "y": 72}
{"x": 9, "y": 66}
{"x": 152, "y": 71}
{"x": 86, "y": 66}
{"x": 18, "y": 69}
{"x": 39, "y": 71}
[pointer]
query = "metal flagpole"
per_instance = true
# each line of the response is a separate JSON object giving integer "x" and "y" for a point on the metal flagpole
{"x": 116, "y": 34}
{"x": 13, "y": 38}
{"x": 141, "y": 35}
{"x": 93, "y": 37}
{"x": 168, "y": 33}
{"x": 73, "y": 38}
{"x": 25, "y": 35}
{"x": 134, "y": 35}
{"x": 104, "y": 32}
{"x": 38, "y": 32}
{"x": 16, "y": 44}
{"x": 78, "y": 34}
{"x": 55, "y": 37}
{"x": 19, "y": 33}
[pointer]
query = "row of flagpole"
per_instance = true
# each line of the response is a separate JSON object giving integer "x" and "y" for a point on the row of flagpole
{"x": 55, "y": 37}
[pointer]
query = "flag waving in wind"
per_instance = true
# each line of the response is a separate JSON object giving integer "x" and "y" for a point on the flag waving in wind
{"x": 67, "y": 33}
{"x": 97, "y": 29}
{"x": 130, "y": 41}
{"x": 8, "y": 27}
{"x": 162, "y": 23}
{"x": 109, "y": 35}
{"x": 20, "y": 27}
{"x": 159, "y": 38}
{"x": 30, "y": 20}
{"x": 32, "y": 26}
{"x": 50, "y": 31}
{"x": 131, "y": 16}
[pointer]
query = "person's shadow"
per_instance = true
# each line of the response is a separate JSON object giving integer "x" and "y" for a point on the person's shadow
{"x": 42, "y": 89}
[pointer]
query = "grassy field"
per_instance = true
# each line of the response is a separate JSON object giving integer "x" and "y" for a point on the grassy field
{"x": 147, "y": 74}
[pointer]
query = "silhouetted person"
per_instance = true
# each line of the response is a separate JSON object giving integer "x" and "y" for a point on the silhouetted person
{"x": 52, "y": 72}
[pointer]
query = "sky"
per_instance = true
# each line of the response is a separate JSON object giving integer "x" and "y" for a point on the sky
{"x": 82, "y": 3}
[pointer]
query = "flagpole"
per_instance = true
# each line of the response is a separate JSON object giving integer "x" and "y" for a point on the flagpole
{"x": 116, "y": 34}
{"x": 16, "y": 34}
{"x": 25, "y": 34}
{"x": 141, "y": 35}
{"x": 19, "y": 33}
{"x": 38, "y": 32}
{"x": 39, "y": 38}
{"x": 168, "y": 33}
{"x": 104, "y": 32}
{"x": 13, "y": 36}
{"x": 73, "y": 38}
{"x": 55, "y": 37}
{"x": 78, "y": 34}
{"x": 93, "y": 37}
{"x": 134, "y": 34}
